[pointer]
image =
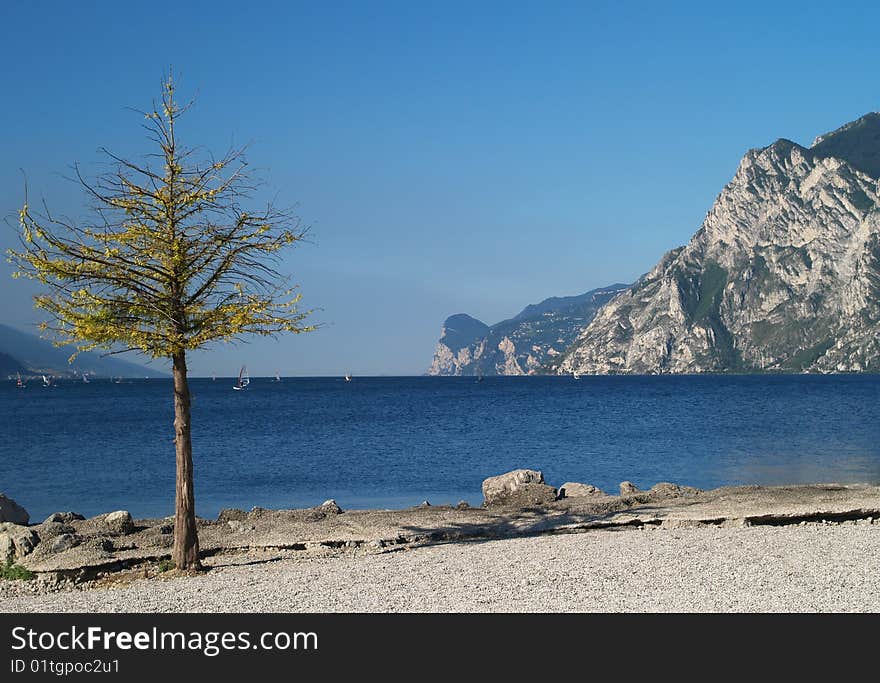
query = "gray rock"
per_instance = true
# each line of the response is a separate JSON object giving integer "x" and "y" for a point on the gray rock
{"x": 119, "y": 522}
{"x": 231, "y": 515}
{"x": 63, "y": 517}
{"x": 16, "y": 541}
{"x": 503, "y": 485}
{"x": 104, "y": 544}
{"x": 10, "y": 511}
{"x": 627, "y": 488}
{"x": 63, "y": 542}
{"x": 330, "y": 507}
{"x": 575, "y": 490}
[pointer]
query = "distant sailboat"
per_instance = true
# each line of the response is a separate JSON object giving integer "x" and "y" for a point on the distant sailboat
{"x": 85, "y": 378}
{"x": 277, "y": 377}
{"x": 19, "y": 383}
{"x": 348, "y": 377}
{"x": 576, "y": 375}
{"x": 118, "y": 380}
{"x": 46, "y": 381}
{"x": 243, "y": 379}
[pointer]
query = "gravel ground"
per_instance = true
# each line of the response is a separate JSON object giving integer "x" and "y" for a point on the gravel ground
{"x": 813, "y": 567}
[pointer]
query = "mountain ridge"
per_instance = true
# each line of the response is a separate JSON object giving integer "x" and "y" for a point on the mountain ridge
{"x": 782, "y": 275}
{"x": 519, "y": 345}
{"x": 38, "y": 356}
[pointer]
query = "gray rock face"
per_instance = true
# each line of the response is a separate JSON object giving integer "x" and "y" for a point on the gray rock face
{"x": 517, "y": 488}
{"x": 16, "y": 541}
{"x": 783, "y": 274}
{"x": 520, "y": 346}
{"x": 63, "y": 542}
{"x": 119, "y": 522}
{"x": 576, "y": 490}
{"x": 10, "y": 511}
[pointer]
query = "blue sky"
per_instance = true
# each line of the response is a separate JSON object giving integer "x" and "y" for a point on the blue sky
{"x": 450, "y": 157}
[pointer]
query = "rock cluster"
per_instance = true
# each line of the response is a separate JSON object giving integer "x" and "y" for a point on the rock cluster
{"x": 58, "y": 532}
{"x": 525, "y": 488}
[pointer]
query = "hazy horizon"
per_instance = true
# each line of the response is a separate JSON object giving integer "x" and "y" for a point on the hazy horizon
{"x": 449, "y": 159}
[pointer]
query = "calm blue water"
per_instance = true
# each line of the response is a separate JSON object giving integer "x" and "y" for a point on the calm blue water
{"x": 393, "y": 442}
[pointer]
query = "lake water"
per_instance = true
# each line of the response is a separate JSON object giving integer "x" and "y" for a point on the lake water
{"x": 393, "y": 442}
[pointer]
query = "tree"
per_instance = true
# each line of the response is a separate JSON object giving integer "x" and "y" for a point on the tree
{"x": 169, "y": 260}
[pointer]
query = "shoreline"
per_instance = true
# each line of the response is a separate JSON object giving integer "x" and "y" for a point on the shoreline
{"x": 247, "y": 547}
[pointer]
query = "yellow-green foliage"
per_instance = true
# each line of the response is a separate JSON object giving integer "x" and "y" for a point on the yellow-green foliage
{"x": 171, "y": 260}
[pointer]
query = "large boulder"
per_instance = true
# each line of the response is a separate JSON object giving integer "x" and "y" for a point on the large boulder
{"x": 573, "y": 489}
{"x": 520, "y": 488}
{"x": 627, "y": 488}
{"x": 10, "y": 511}
{"x": 509, "y": 482}
{"x": 16, "y": 541}
{"x": 119, "y": 522}
{"x": 330, "y": 507}
{"x": 63, "y": 518}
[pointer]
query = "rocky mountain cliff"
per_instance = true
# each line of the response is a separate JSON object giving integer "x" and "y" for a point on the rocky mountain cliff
{"x": 521, "y": 345}
{"x": 783, "y": 274}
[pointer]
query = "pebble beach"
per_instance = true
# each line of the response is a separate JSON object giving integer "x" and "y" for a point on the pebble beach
{"x": 809, "y": 567}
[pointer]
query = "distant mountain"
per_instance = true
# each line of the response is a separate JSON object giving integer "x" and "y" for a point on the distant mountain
{"x": 40, "y": 356}
{"x": 518, "y": 346}
{"x": 783, "y": 274}
{"x": 9, "y": 365}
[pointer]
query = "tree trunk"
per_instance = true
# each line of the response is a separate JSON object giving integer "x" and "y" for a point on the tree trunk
{"x": 186, "y": 541}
